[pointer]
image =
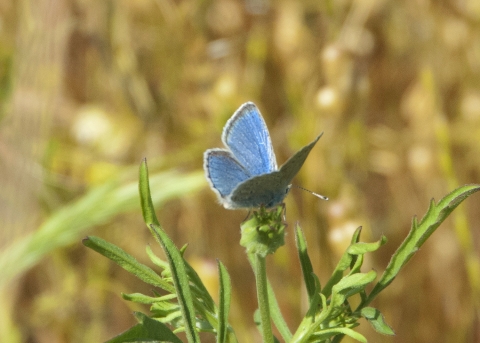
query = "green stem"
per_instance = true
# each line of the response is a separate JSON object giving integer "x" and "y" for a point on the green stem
{"x": 262, "y": 295}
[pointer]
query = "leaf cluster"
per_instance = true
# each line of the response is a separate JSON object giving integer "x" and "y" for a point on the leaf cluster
{"x": 186, "y": 306}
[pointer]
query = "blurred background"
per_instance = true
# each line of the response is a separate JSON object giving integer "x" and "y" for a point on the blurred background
{"x": 89, "y": 88}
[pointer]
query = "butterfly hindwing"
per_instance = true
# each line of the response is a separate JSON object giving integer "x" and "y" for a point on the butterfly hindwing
{"x": 247, "y": 137}
{"x": 223, "y": 171}
{"x": 267, "y": 190}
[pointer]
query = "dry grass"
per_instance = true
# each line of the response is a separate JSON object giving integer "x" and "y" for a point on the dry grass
{"x": 88, "y": 88}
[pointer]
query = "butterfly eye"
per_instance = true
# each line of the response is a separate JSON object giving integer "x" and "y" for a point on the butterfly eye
{"x": 288, "y": 189}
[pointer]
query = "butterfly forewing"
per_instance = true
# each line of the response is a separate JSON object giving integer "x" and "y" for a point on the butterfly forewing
{"x": 246, "y": 135}
{"x": 290, "y": 168}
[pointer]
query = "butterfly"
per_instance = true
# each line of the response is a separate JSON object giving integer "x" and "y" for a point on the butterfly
{"x": 245, "y": 175}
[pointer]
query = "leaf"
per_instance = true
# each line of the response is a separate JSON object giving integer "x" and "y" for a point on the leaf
{"x": 361, "y": 248}
{"x": 174, "y": 256}
{"x": 155, "y": 259}
{"x": 199, "y": 288}
{"x": 306, "y": 264}
{"x": 327, "y": 333}
{"x": 346, "y": 261}
{"x": 146, "y": 203}
{"x": 147, "y": 330}
{"x": 180, "y": 280}
{"x": 349, "y": 286}
{"x": 419, "y": 233}
{"x": 356, "y": 239}
{"x": 127, "y": 262}
{"x": 316, "y": 299}
{"x": 144, "y": 299}
{"x": 376, "y": 319}
{"x": 311, "y": 320}
{"x": 98, "y": 205}
{"x": 224, "y": 308}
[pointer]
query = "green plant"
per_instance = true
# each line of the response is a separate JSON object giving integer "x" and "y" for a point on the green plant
{"x": 188, "y": 307}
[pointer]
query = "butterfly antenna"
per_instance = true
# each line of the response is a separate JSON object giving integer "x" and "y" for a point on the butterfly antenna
{"x": 309, "y": 191}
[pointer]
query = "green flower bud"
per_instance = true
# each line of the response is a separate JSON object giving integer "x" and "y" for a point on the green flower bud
{"x": 264, "y": 232}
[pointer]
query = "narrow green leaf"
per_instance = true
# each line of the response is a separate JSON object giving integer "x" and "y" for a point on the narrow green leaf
{"x": 144, "y": 299}
{"x": 361, "y": 248}
{"x": 167, "y": 313}
{"x": 327, "y": 333}
{"x": 356, "y": 235}
{"x": 145, "y": 197}
{"x": 310, "y": 321}
{"x": 148, "y": 329}
{"x": 305, "y": 263}
{"x": 346, "y": 261}
{"x": 376, "y": 319}
{"x": 200, "y": 288}
{"x": 358, "y": 250}
{"x": 127, "y": 262}
{"x": 224, "y": 308}
{"x": 155, "y": 259}
{"x": 337, "y": 274}
{"x": 355, "y": 239}
{"x": 98, "y": 205}
{"x": 314, "y": 302}
{"x": 180, "y": 280}
{"x": 419, "y": 233}
{"x": 349, "y": 286}
{"x": 174, "y": 256}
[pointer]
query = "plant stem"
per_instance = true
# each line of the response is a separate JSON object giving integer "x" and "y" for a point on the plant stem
{"x": 262, "y": 295}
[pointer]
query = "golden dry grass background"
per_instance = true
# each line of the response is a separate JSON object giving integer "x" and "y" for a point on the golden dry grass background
{"x": 88, "y": 88}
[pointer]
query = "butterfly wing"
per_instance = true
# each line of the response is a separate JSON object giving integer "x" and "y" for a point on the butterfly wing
{"x": 267, "y": 190}
{"x": 290, "y": 168}
{"x": 223, "y": 172}
{"x": 247, "y": 137}
{"x": 270, "y": 189}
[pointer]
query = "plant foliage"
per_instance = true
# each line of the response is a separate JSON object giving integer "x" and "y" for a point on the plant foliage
{"x": 186, "y": 306}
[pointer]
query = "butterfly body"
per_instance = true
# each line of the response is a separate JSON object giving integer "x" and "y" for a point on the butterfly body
{"x": 246, "y": 174}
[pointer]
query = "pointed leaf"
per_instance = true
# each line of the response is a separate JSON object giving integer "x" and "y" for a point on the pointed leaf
{"x": 349, "y": 286}
{"x": 127, "y": 262}
{"x": 311, "y": 322}
{"x": 418, "y": 234}
{"x": 362, "y": 248}
{"x": 145, "y": 197}
{"x": 327, "y": 333}
{"x": 144, "y": 299}
{"x": 224, "y": 308}
{"x": 346, "y": 261}
{"x": 200, "y": 288}
{"x": 155, "y": 259}
{"x": 306, "y": 264}
{"x": 147, "y": 330}
{"x": 180, "y": 280}
{"x": 376, "y": 319}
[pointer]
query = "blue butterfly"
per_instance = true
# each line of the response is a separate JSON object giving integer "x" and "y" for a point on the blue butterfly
{"x": 246, "y": 174}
